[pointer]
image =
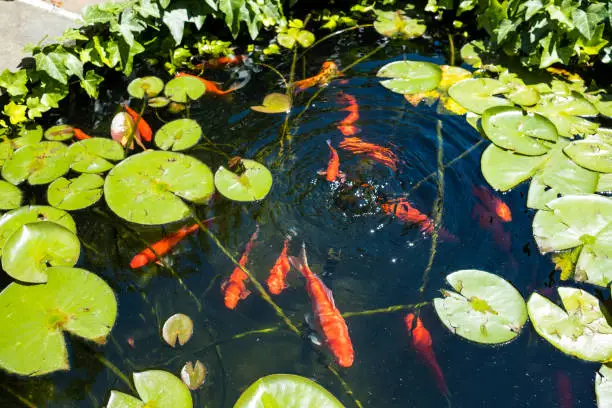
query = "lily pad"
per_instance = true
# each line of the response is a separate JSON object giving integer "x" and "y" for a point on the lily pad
{"x": 477, "y": 94}
{"x": 564, "y": 175}
{"x": 603, "y": 386}
{"x": 287, "y": 391}
{"x": 149, "y": 187}
{"x": 28, "y": 135}
{"x": 410, "y": 76}
{"x": 254, "y": 184}
{"x": 10, "y": 196}
{"x": 6, "y": 151}
{"x": 95, "y": 155}
{"x": 150, "y": 86}
{"x": 59, "y": 133}
{"x": 33, "y": 248}
{"x": 396, "y": 24}
{"x": 193, "y": 375}
{"x": 179, "y": 134}
{"x": 178, "y": 327}
{"x": 604, "y": 185}
{"x": 76, "y": 193}
{"x": 274, "y": 103}
{"x": 184, "y": 88}
{"x": 34, "y": 317}
{"x": 503, "y": 169}
{"x": 580, "y": 330}
{"x": 38, "y": 164}
{"x": 540, "y": 194}
{"x": 156, "y": 388}
{"x": 447, "y": 105}
{"x": 592, "y": 153}
{"x": 485, "y": 309}
{"x": 565, "y": 112}
{"x": 158, "y": 102}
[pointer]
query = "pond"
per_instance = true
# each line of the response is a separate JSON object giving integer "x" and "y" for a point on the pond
{"x": 367, "y": 258}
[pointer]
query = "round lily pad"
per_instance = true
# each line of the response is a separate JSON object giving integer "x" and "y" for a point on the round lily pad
{"x": 564, "y": 176}
{"x": 156, "y": 388}
{"x": 274, "y": 103}
{"x": 76, "y": 193}
{"x": 28, "y": 135}
{"x": 6, "y": 151}
{"x": 485, "y": 309}
{"x": 604, "y": 185}
{"x": 253, "y": 184}
{"x": 182, "y": 89}
{"x": 504, "y": 169}
{"x": 410, "y": 76}
{"x": 477, "y": 94}
{"x": 512, "y": 129}
{"x": 395, "y": 24}
{"x": 524, "y": 95}
{"x": 193, "y": 375}
{"x": 179, "y": 134}
{"x": 565, "y": 111}
{"x": 33, "y": 318}
{"x": 38, "y": 164}
{"x": 603, "y": 386}
{"x": 149, "y": 187}
{"x": 580, "y": 330}
{"x": 287, "y": 391}
{"x": 33, "y": 248}
{"x": 95, "y": 155}
{"x": 150, "y": 86}
{"x": 540, "y": 194}
{"x": 178, "y": 327}
{"x": 10, "y": 196}
{"x": 158, "y": 102}
{"x": 59, "y": 133}
{"x": 592, "y": 153}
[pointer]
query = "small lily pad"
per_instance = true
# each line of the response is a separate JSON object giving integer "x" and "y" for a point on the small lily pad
{"x": 10, "y": 196}
{"x": 410, "y": 76}
{"x": 95, "y": 155}
{"x": 287, "y": 391}
{"x": 603, "y": 386}
{"x": 35, "y": 247}
{"x": 580, "y": 330}
{"x": 156, "y": 388}
{"x": 254, "y": 184}
{"x": 38, "y": 164}
{"x": 77, "y": 193}
{"x": 28, "y": 135}
{"x": 477, "y": 94}
{"x": 178, "y": 327}
{"x": 179, "y": 134}
{"x": 395, "y": 24}
{"x": 503, "y": 169}
{"x": 150, "y": 86}
{"x": 158, "y": 102}
{"x": 274, "y": 103}
{"x": 184, "y": 89}
{"x": 485, "y": 309}
{"x": 193, "y": 375}
{"x": 592, "y": 153}
{"x": 59, "y": 133}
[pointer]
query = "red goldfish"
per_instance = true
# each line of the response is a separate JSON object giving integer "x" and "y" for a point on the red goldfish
{"x": 211, "y": 87}
{"x": 278, "y": 273}
{"x": 402, "y": 209}
{"x": 327, "y": 316}
{"x": 493, "y": 203}
{"x": 222, "y": 62}
{"x": 79, "y": 134}
{"x": 333, "y": 166}
{"x": 490, "y": 221}
{"x": 346, "y": 125}
{"x": 234, "y": 288}
{"x": 143, "y": 127}
{"x": 421, "y": 341}
{"x": 564, "y": 389}
{"x": 383, "y": 155}
{"x": 329, "y": 70}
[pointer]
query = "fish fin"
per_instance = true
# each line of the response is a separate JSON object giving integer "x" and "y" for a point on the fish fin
{"x": 309, "y": 319}
{"x": 244, "y": 294}
{"x": 322, "y": 173}
{"x": 301, "y": 262}
{"x": 224, "y": 284}
{"x": 329, "y": 293}
{"x": 314, "y": 339}
{"x": 159, "y": 262}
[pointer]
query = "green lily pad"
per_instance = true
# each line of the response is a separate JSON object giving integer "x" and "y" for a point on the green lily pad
{"x": 477, "y": 94}
{"x": 178, "y": 327}
{"x": 33, "y": 248}
{"x": 396, "y": 24}
{"x": 410, "y": 76}
{"x": 592, "y": 153}
{"x": 10, "y": 196}
{"x": 6, "y": 151}
{"x": 287, "y": 391}
{"x": 503, "y": 169}
{"x": 565, "y": 176}
{"x": 603, "y": 386}
{"x": 155, "y": 388}
{"x": 252, "y": 185}
{"x": 179, "y": 134}
{"x": 38, "y": 164}
{"x": 524, "y": 95}
{"x": 77, "y": 193}
{"x": 540, "y": 194}
{"x": 604, "y": 185}
{"x": 274, "y": 103}
{"x": 185, "y": 88}
{"x": 59, "y": 133}
{"x": 174, "y": 107}
{"x": 150, "y": 86}
{"x": 13, "y": 220}
{"x": 28, "y": 135}
{"x": 485, "y": 309}
{"x": 512, "y": 129}
{"x": 149, "y": 187}
{"x": 580, "y": 330}
{"x": 193, "y": 375}
{"x": 95, "y": 155}
{"x": 565, "y": 112}
{"x": 33, "y": 318}
{"x": 158, "y": 102}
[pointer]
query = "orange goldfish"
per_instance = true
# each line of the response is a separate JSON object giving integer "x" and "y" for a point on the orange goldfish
{"x": 333, "y": 166}
{"x": 222, "y": 62}
{"x": 346, "y": 125}
{"x": 327, "y": 316}
{"x": 79, "y": 134}
{"x": 143, "y": 127}
{"x": 421, "y": 341}
{"x": 402, "y": 209}
{"x": 278, "y": 273}
{"x": 493, "y": 203}
{"x": 234, "y": 288}
{"x": 382, "y": 155}
{"x": 211, "y": 87}
{"x": 329, "y": 70}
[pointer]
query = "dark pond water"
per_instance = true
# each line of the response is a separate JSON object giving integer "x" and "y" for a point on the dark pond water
{"x": 368, "y": 259}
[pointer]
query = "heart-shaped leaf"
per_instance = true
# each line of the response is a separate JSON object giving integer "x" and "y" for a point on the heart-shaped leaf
{"x": 503, "y": 169}
{"x": 155, "y": 388}
{"x": 76, "y": 193}
{"x": 178, "y": 327}
{"x": 274, "y": 103}
{"x": 253, "y": 184}
{"x": 193, "y": 375}
{"x": 179, "y": 134}
{"x": 184, "y": 89}
{"x": 477, "y": 94}
{"x": 95, "y": 155}
{"x": 150, "y": 86}
{"x": 396, "y": 24}
{"x": 410, "y": 76}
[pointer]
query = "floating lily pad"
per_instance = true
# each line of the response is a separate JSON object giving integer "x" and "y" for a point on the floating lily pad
{"x": 274, "y": 103}
{"x": 76, "y": 193}
{"x": 503, "y": 169}
{"x": 410, "y": 76}
{"x": 477, "y": 94}
{"x": 95, "y": 155}
{"x": 485, "y": 309}
{"x": 33, "y": 248}
{"x": 6, "y": 151}
{"x": 28, "y": 135}
{"x": 174, "y": 107}
{"x": 540, "y": 194}
{"x": 447, "y": 105}
{"x": 158, "y": 102}
{"x": 185, "y": 88}
{"x": 287, "y": 391}
{"x": 254, "y": 184}
{"x": 180, "y": 134}
{"x": 396, "y": 24}
{"x": 150, "y": 86}
{"x": 38, "y": 164}
{"x": 603, "y": 386}
{"x": 59, "y": 133}
{"x": 155, "y": 388}
{"x": 149, "y": 187}
{"x": 10, "y": 196}
{"x": 193, "y": 375}
{"x": 565, "y": 112}
{"x": 604, "y": 185}
{"x": 512, "y": 129}
{"x": 33, "y": 318}
{"x": 564, "y": 175}
{"x": 178, "y": 327}
{"x": 580, "y": 330}
{"x": 592, "y": 153}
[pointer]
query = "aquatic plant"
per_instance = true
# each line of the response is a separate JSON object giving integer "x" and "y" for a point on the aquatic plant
{"x": 155, "y": 388}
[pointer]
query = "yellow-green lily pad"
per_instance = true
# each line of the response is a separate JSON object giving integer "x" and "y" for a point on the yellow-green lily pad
{"x": 178, "y": 328}
{"x": 183, "y": 89}
{"x": 10, "y": 196}
{"x": 410, "y": 76}
{"x": 38, "y": 164}
{"x": 603, "y": 386}
{"x": 59, "y": 133}
{"x": 77, "y": 193}
{"x": 504, "y": 169}
{"x": 149, "y": 85}
{"x": 565, "y": 112}
{"x": 28, "y": 135}
{"x": 274, "y": 103}
{"x": 592, "y": 153}
{"x": 95, "y": 155}
{"x": 252, "y": 185}
{"x": 395, "y": 24}
{"x": 478, "y": 94}
{"x": 179, "y": 134}
{"x": 158, "y": 102}
{"x": 156, "y": 388}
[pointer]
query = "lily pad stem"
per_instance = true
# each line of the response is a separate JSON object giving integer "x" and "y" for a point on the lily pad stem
{"x": 451, "y": 43}
{"x": 347, "y": 388}
{"x": 117, "y": 372}
{"x": 276, "y": 71}
{"x": 365, "y": 57}
{"x": 389, "y": 309}
{"x": 21, "y": 398}
{"x": 335, "y": 33}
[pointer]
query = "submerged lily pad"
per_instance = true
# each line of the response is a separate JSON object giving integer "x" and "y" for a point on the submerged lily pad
{"x": 185, "y": 88}
{"x": 59, "y": 133}
{"x": 254, "y": 184}
{"x": 150, "y": 86}
{"x": 603, "y": 386}
{"x": 193, "y": 375}
{"x": 33, "y": 248}
{"x": 503, "y": 169}
{"x": 178, "y": 327}
{"x": 274, "y": 103}
{"x": 477, "y": 94}
{"x": 580, "y": 330}
{"x": 149, "y": 187}
{"x": 396, "y": 24}
{"x": 76, "y": 193}
{"x": 95, "y": 155}
{"x": 10, "y": 196}
{"x": 38, "y": 164}
{"x": 410, "y": 76}
{"x": 34, "y": 317}
{"x": 156, "y": 388}
{"x": 287, "y": 391}
{"x": 179, "y": 134}
{"x": 592, "y": 153}
{"x": 487, "y": 309}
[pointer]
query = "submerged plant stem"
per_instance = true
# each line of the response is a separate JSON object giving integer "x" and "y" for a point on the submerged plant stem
{"x": 331, "y": 35}
{"x": 347, "y": 388}
{"x": 26, "y": 402}
{"x": 365, "y": 57}
{"x": 389, "y": 309}
{"x": 117, "y": 372}
{"x": 451, "y": 43}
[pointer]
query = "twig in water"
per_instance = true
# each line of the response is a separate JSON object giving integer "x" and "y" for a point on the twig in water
{"x": 347, "y": 388}
{"x": 26, "y": 402}
{"x": 389, "y": 309}
{"x": 117, "y": 372}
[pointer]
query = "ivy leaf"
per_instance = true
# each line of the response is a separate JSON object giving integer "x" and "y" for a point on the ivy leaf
{"x": 127, "y": 53}
{"x": 15, "y": 83}
{"x": 71, "y": 34}
{"x": 595, "y": 44}
{"x": 585, "y": 22}
{"x": 506, "y": 27}
{"x": 231, "y": 9}
{"x": 91, "y": 82}
{"x": 551, "y": 54}
{"x": 16, "y": 113}
{"x": 175, "y": 21}
{"x": 164, "y": 3}
{"x": 52, "y": 64}
{"x": 73, "y": 65}
{"x": 147, "y": 8}
{"x": 129, "y": 25}
{"x": 556, "y": 13}
{"x": 35, "y": 107}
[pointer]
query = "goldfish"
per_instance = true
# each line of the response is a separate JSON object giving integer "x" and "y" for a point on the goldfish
{"x": 346, "y": 126}
{"x": 143, "y": 127}
{"x": 327, "y": 316}
{"x": 382, "y": 155}
{"x": 493, "y": 203}
{"x": 333, "y": 166}
{"x": 234, "y": 288}
{"x": 222, "y": 62}
{"x": 329, "y": 70}
{"x": 79, "y": 134}
{"x": 278, "y": 273}
{"x": 564, "y": 389}
{"x": 211, "y": 87}
{"x": 491, "y": 222}
{"x": 421, "y": 341}
{"x": 402, "y": 209}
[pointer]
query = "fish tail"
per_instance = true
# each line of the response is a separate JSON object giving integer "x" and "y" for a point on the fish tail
{"x": 301, "y": 263}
